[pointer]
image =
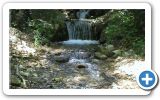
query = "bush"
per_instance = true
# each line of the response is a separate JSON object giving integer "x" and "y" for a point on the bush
{"x": 42, "y": 31}
{"x": 125, "y": 31}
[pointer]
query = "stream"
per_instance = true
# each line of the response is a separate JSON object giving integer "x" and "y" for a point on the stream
{"x": 72, "y": 64}
{"x": 81, "y": 70}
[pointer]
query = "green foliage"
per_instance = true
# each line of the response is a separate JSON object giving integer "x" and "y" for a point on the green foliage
{"x": 20, "y": 18}
{"x": 125, "y": 30}
{"x": 42, "y": 31}
{"x": 44, "y": 26}
{"x": 139, "y": 47}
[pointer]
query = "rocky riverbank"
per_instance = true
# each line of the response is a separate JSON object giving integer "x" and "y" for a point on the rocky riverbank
{"x": 71, "y": 67}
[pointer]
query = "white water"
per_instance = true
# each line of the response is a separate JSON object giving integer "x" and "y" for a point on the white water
{"x": 80, "y": 42}
{"x": 91, "y": 68}
{"x": 80, "y": 30}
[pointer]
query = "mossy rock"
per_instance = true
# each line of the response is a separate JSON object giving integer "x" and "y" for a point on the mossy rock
{"x": 15, "y": 81}
{"x": 101, "y": 56}
{"x": 118, "y": 52}
{"x": 107, "y": 50}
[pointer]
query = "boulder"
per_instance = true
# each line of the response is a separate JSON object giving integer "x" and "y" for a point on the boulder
{"x": 61, "y": 58}
{"x": 99, "y": 55}
{"x": 95, "y": 61}
{"x": 82, "y": 55}
{"x": 117, "y": 52}
{"x": 107, "y": 50}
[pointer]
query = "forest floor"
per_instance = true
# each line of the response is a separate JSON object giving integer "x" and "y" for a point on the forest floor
{"x": 70, "y": 66}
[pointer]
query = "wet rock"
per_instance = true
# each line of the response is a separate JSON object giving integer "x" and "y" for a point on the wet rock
{"x": 95, "y": 61}
{"x": 15, "y": 81}
{"x": 99, "y": 55}
{"x": 81, "y": 66}
{"x": 61, "y": 58}
{"x": 81, "y": 55}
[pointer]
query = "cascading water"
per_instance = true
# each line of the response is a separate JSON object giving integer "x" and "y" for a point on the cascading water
{"x": 82, "y": 13}
{"x": 80, "y": 30}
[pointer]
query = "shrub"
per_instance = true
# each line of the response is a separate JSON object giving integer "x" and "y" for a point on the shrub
{"x": 125, "y": 30}
{"x": 42, "y": 31}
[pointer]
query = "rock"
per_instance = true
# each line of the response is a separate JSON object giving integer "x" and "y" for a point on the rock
{"x": 102, "y": 49}
{"x": 81, "y": 66}
{"x": 26, "y": 74}
{"x": 79, "y": 79}
{"x": 117, "y": 52}
{"x": 107, "y": 50}
{"x": 99, "y": 55}
{"x": 95, "y": 61}
{"x": 108, "y": 77}
{"x": 61, "y": 58}
{"x": 15, "y": 81}
{"x": 126, "y": 54}
{"x": 82, "y": 55}
{"x": 43, "y": 62}
{"x": 34, "y": 75}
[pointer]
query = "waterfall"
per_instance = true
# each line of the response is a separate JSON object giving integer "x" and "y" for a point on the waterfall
{"x": 82, "y": 14}
{"x": 80, "y": 30}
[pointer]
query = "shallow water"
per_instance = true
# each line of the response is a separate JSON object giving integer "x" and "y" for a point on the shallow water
{"x": 80, "y": 71}
{"x": 80, "y": 42}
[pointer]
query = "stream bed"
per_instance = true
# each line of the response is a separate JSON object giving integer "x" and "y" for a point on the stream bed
{"x": 66, "y": 66}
